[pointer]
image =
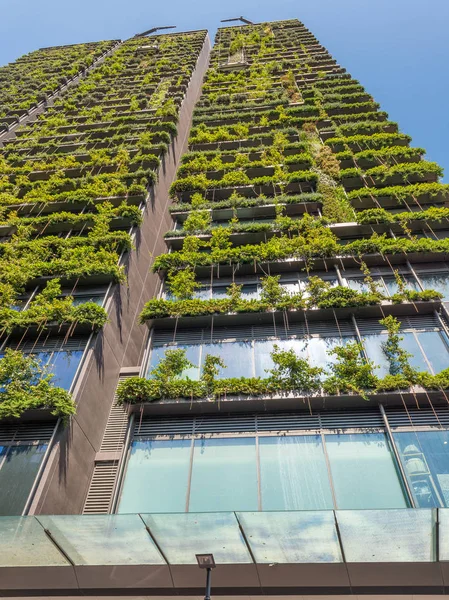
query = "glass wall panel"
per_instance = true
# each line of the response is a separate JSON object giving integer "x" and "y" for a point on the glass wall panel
{"x": 237, "y": 356}
{"x": 373, "y": 348}
{"x": 320, "y": 349}
{"x": 192, "y": 354}
{"x": 425, "y": 458}
{"x": 18, "y": 469}
{"x": 224, "y": 475}
{"x": 156, "y": 476}
{"x": 293, "y": 473}
{"x": 436, "y": 281}
{"x": 264, "y": 348}
{"x": 393, "y": 288}
{"x": 64, "y": 365}
{"x": 363, "y": 471}
{"x": 409, "y": 344}
{"x": 435, "y": 349}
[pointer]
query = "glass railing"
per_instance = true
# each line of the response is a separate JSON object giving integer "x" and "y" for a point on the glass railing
{"x": 245, "y": 538}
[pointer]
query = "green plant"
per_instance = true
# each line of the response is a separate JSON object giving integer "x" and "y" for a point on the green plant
{"x": 25, "y": 384}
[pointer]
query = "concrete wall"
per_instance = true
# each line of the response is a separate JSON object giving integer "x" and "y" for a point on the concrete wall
{"x": 65, "y": 481}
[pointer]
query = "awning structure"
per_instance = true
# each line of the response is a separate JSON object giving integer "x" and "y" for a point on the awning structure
{"x": 272, "y": 553}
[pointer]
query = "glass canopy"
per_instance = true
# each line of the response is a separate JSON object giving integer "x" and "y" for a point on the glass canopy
{"x": 287, "y": 537}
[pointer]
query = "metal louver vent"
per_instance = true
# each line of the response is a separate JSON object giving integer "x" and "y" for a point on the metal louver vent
{"x": 115, "y": 432}
{"x": 54, "y": 343}
{"x": 27, "y": 432}
{"x": 101, "y": 488}
{"x": 281, "y": 422}
{"x": 351, "y": 419}
{"x": 419, "y": 322}
{"x": 414, "y": 417}
{"x": 252, "y": 423}
{"x": 256, "y": 332}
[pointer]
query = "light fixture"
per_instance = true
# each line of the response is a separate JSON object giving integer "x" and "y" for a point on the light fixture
{"x": 206, "y": 561}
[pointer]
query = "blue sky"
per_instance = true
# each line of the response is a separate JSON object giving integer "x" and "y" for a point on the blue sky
{"x": 397, "y": 48}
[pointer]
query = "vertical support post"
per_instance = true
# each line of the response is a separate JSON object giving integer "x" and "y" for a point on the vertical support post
{"x": 208, "y": 583}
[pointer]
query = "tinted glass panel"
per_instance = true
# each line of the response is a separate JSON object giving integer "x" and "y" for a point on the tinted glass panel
{"x": 237, "y": 356}
{"x": 64, "y": 365}
{"x": 224, "y": 475}
{"x": 425, "y": 458}
{"x": 156, "y": 476}
{"x": 437, "y": 282}
{"x": 435, "y": 349}
{"x": 363, "y": 471}
{"x": 192, "y": 354}
{"x": 393, "y": 288}
{"x": 264, "y": 348}
{"x": 293, "y": 473}
{"x": 18, "y": 469}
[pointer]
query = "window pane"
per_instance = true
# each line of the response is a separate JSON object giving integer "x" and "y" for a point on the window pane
{"x": 409, "y": 344}
{"x": 293, "y": 473}
{"x": 438, "y": 282}
{"x": 64, "y": 365}
{"x": 320, "y": 348}
{"x": 363, "y": 471}
{"x": 359, "y": 285}
{"x": 192, "y": 354}
{"x": 156, "y": 476}
{"x": 18, "y": 470}
{"x": 392, "y": 286}
{"x": 264, "y": 348}
{"x": 373, "y": 348}
{"x": 425, "y": 458}
{"x": 97, "y": 298}
{"x": 224, "y": 475}
{"x": 435, "y": 349}
{"x": 237, "y": 356}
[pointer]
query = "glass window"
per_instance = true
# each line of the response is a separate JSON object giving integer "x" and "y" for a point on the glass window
{"x": 363, "y": 471}
{"x": 417, "y": 359}
{"x": 293, "y": 473}
{"x": 18, "y": 469}
{"x": 192, "y": 354}
{"x": 320, "y": 347}
{"x": 264, "y": 348}
{"x": 435, "y": 349}
{"x": 425, "y": 458}
{"x": 436, "y": 281}
{"x": 80, "y": 299}
{"x": 392, "y": 286}
{"x": 224, "y": 475}
{"x": 237, "y": 356}
{"x": 156, "y": 476}
{"x": 64, "y": 365}
{"x": 359, "y": 285}
{"x": 373, "y": 348}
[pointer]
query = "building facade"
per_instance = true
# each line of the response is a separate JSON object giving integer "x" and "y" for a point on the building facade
{"x": 237, "y": 266}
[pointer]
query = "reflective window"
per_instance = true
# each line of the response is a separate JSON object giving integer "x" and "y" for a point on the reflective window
{"x": 63, "y": 365}
{"x": 192, "y": 354}
{"x": 261, "y": 471}
{"x": 385, "y": 284}
{"x": 224, "y": 475}
{"x": 425, "y": 458}
{"x": 156, "y": 476}
{"x": 363, "y": 471}
{"x": 264, "y": 348}
{"x": 293, "y": 473}
{"x": 19, "y": 466}
{"x": 429, "y": 350}
{"x": 237, "y": 356}
{"x": 436, "y": 281}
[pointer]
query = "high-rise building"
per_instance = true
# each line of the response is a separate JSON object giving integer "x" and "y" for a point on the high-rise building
{"x": 237, "y": 278}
